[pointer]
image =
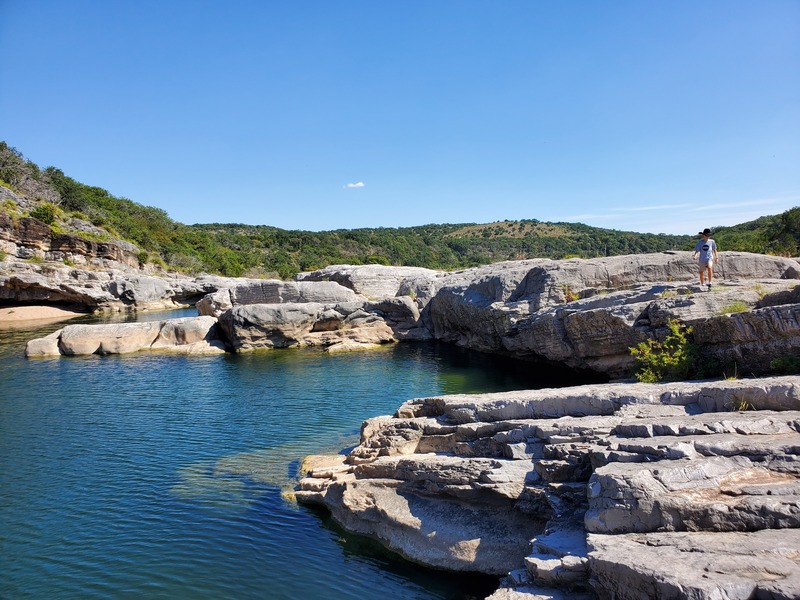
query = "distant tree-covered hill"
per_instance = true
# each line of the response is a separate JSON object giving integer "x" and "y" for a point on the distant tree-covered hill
{"x": 449, "y": 246}
{"x": 234, "y": 249}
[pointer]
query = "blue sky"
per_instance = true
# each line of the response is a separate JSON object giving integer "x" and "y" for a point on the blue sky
{"x": 649, "y": 115}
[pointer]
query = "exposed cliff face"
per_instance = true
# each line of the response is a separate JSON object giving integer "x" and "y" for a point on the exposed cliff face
{"x": 26, "y": 237}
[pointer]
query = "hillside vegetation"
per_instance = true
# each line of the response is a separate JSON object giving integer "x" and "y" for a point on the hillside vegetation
{"x": 235, "y": 249}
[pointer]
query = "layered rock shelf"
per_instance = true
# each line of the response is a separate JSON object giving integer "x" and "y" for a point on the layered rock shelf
{"x": 616, "y": 490}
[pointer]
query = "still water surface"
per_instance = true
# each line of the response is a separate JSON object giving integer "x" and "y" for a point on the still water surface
{"x": 159, "y": 476}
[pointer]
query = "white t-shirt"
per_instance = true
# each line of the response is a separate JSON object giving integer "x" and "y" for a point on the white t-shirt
{"x": 706, "y": 249}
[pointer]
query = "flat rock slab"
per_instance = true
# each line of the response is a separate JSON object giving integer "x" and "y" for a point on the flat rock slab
{"x": 455, "y": 481}
{"x": 729, "y": 566}
{"x": 704, "y": 494}
{"x": 745, "y": 423}
{"x": 774, "y": 393}
{"x": 438, "y": 532}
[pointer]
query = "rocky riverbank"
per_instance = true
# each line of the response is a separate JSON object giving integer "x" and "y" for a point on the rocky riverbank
{"x": 624, "y": 491}
{"x": 585, "y": 314}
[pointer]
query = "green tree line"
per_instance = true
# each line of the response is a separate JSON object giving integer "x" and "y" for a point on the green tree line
{"x": 236, "y": 249}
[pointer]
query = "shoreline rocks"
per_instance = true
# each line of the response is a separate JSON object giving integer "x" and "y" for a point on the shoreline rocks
{"x": 189, "y": 335}
{"x": 583, "y": 314}
{"x": 588, "y": 473}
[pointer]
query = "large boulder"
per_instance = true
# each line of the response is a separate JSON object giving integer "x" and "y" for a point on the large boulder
{"x": 588, "y": 314}
{"x": 274, "y": 291}
{"x": 190, "y": 335}
{"x": 253, "y": 326}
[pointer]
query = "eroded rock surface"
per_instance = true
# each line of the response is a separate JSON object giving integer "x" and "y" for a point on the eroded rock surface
{"x": 734, "y": 566}
{"x": 301, "y": 324}
{"x": 372, "y": 281}
{"x": 588, "y": 313}
{"x": 274, "y": 291}
{"x": 642, "y": 464}
{"x": 585, "y": 314}
{"x": 100, "y": 290}
{"x": 27, "y": 237}
{"x": 190, "y": 335}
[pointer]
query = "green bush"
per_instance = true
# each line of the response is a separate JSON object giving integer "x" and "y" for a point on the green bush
{"x": 46, "y": 213}
{"x": 671, "y": 360}
{"x": 788, "y": 364}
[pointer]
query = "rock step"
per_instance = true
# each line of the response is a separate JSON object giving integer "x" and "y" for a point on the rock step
{"x": 755, "y": 447}
{"x": 466, "y": 478}
{"x": 745, "y": 423}
{"x": 705, "y": 494}
{"x": 442, "y": 532}
{"x": 774, "y": 393}
{"x": 559, "y": 558}
{"x": 734, "y": 566}
{"x": 530, "y": 592}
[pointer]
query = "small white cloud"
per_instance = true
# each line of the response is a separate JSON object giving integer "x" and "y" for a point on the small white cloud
{"x": 352, "y": 186}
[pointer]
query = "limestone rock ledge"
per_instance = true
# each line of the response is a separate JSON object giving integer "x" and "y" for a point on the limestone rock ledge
{"x": 100, "y": 289}
{"x": 585, "y": 314}
{"x": 190, "y": 335}
{"x": 616, "y": 491}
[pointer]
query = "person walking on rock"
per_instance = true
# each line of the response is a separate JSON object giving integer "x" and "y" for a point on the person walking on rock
{"x": 706, "y": 249}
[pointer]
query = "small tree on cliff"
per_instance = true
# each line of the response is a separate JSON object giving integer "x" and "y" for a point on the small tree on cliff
{"x": 670, "y": 360}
